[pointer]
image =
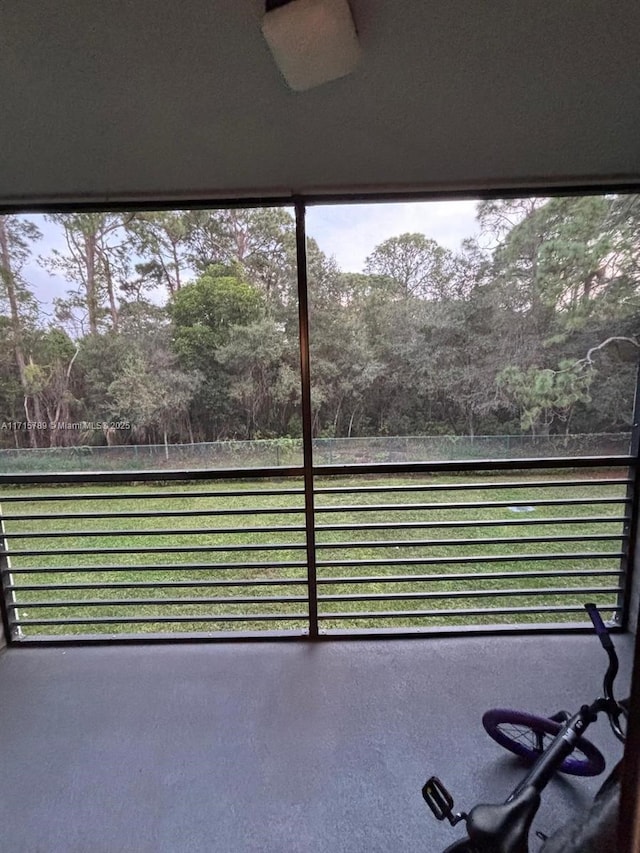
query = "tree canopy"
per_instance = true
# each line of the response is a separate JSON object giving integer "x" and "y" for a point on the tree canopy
{"x": 184, "y": 324}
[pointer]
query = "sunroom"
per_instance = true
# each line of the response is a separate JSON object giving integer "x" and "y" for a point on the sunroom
{"x": 319, "y": 418}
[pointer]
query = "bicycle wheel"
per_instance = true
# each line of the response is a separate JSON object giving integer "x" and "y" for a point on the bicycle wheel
{"x": 528, "y": 736}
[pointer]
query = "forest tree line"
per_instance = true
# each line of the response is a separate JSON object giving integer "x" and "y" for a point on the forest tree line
{"x": 184, "y": 324}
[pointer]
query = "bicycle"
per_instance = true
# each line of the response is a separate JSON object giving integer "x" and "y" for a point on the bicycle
{"x": 550, "y": 744}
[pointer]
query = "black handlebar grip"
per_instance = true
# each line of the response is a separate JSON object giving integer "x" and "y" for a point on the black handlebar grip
{"x": 600, "y": 627}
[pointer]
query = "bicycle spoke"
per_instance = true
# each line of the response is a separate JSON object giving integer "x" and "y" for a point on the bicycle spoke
{"x": 525, "y": 735}
{"x": 534, "y": 739}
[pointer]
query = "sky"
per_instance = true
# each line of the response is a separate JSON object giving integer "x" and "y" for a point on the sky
{"x": 45, "y": 286}
{"x": 348, "y": 232}
{"x": 351, "y": 232}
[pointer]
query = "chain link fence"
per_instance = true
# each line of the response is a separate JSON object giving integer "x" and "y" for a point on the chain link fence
{"x": 284, "y": 452}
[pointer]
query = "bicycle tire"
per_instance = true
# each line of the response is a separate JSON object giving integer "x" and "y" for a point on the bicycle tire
{"x": 524, "y": 734}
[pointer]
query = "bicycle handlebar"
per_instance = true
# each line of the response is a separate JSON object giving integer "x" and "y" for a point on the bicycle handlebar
{"x": 600, "y": 627}
{"x": 612, "y": 669}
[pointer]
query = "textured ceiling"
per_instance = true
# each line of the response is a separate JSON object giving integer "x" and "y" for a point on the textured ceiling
{"x": 126, "y": 99}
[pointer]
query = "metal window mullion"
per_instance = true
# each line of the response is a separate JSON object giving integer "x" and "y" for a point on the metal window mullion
{"x": 151, "y": 549}
{"x": 123, "y": 496}
{"x": 628, "y": 558}
{"x": 548, "y": 463}
{"x": 475, "y": 558}
{"x": 503, "y": 540}
{"x": 470, "y": 576}
{"x": 398, "y": 525}
{"x": 55, "y": 587}
{"x": 168, "y": 513}
{"x": 210, "y": 474}
{"x": 629, "y": 812}
{"x": 480, "y": 487}
{"x": 439, "y": 614}
{"x": 430, "y": 507}
{"x": 499, "y": 522}
{"x": 296, "y": 546}
{"x": 141, "y": 620}
{"x": 163, "y": 602}
{"x": 330, "y": 581}
{"x": 197, "y": 567}
{"x": 198, "y": 531}
{"x": 627, "y": 561}
{"x": 307, "y": 414}
{"x": 471, "y": 593}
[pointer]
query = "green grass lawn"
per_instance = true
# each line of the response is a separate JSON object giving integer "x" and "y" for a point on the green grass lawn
{"x": 237, "y": 548}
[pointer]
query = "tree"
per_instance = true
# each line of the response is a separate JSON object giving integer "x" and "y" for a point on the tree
{"x": 565, "y": 268}
{"x": 390, "y": 335}
{"x": 151, "y": 393}
{"x": 161, "y": 240}
{"x": 261, "y": 365}
{"x": 541, "y": 325}
{"x": 344, "y": 370}
{"x": 204, "y": 315}
{"x": 50, "y": 377}
{"x": 101, "y": 359}
{"x": 96, "y": 260}
{"x": 415, "y": 264}
{"x": 260, "y": 240}
{"x": 12, "y": 393}
{"x": 16, "y": 237}
{"x": 544, "y": 395}
{"x": 204, "y": 312}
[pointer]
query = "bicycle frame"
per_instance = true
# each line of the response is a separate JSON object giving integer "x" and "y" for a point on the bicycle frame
{"x": 562, "y": 746}
{"x": 504, "y": 828}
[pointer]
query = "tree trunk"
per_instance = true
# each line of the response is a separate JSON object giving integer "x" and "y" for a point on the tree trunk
{"x": 113, "y": 305}
{"x": 92, "y": 284}
{"x": 176, "y": 264}
{"x": 336, "y": 418}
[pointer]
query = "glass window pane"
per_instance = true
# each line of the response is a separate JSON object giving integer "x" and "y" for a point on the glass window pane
{"x": 474, "y": 329}
{"x": 149, "y": 340}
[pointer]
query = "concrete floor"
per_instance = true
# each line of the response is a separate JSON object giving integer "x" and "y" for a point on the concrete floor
{"x": 274, "y": 747}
